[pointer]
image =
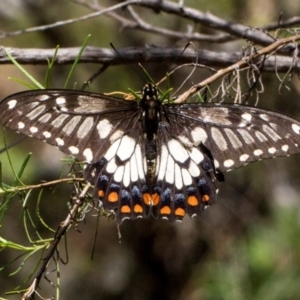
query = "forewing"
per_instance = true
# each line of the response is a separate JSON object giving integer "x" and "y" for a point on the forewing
{"x": 235, "y": 135}
{"x": 82, "y": 124}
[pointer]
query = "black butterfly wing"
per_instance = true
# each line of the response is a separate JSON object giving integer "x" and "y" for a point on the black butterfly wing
{"x": 104, "y": 131}
{"x": 82, "y": 124}
{"x": 196, "y": 143}
{"x": 235, "y": 135}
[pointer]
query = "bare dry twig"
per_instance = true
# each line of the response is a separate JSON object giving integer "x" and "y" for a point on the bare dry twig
{"x": 141, "y": 55}
{"x": 61, "y": 231}
{"x": 244, "y": 61}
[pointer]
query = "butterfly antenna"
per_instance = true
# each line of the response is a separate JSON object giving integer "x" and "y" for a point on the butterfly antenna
{"x": 192, "y": 72}
{"x": 126, "y": 60}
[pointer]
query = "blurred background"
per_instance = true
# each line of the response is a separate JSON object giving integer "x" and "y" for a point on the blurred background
{"x": 246, "y": 246}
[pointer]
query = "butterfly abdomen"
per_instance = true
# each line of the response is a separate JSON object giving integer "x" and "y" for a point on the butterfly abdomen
{"x": 151, "y": 107}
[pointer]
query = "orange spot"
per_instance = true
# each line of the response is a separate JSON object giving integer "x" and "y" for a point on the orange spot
{"x": 155, "y": 199}
{"x": 113, "y": 197}
{"x": 166, "y": 210}
{"x": 205, "y": 198}
{"x": 193, "y": 201}
{"x": 180, "y": 212}
{"x": 125, "y": 209}
{"x": 101, "y": 193}
{"x": 147, "y": 198}
{"x": 138, "y": 209}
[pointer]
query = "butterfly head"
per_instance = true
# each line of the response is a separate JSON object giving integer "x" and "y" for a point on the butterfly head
{"x": 149, "y": 92}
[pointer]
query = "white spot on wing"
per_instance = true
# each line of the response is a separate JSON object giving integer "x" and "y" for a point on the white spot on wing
{"x": 216, "y": 163}
{"x": 60, "y": 100}
{"x": 104, "y": 128}
{"x": 170, "y": 171}
{"x": 118, "y": 176}
{"x": 178, "y": 178}
{"x": 47, "y": 134}
{"x": 198, "y": 135}
{"x": 196, "y": 155}
{"x": 126, "y": 147}
{"x": 185, "y": 141}
{"x": 257, "y": 152}
{"x": 228, "y": 163}
{"x": 217, "y": 115}
{"x": 126, "y": 177}
{"x": 247, "y": 117}
{"x": 264, "y": 117}
{"x": 111, "y": 166}
{"x": 116, "y": 135}
{"x": 59, "y": 142}
{"x": 73, "y": 150}
{"x": 88, "y": 154}
{"x": 36, "y": 112}
{"x": 85, "y": 127}
{"x": 177, "y": 150}
{"x": 194, "y": 169}
{"x": 33, "y": 129}
{"x": 246, "y": 136}
{"x": 272, "y": 150}
{"x": 187, "y": 179}
{"x": 11, "y": 103}
{"x": 271, "y": 133}
{"x": 285, "y": 148}
{"x": 43, "y": 97}
{"x": 133, "y": 169}
{"x": 296, "y": 128}
{"x": 261, "y": 137}
{"x": 111, "y": 152}
{"x": 45, "y": 118}
{"x": 274, "y": 126}
{"x": 71, "y": 125}
{"x": 233, "y": 138}
{"x": 21, "y": 125}
{"x": 59, "y": 120}
{"x": 244, "y": 157}
{"x": 219, "y": 139}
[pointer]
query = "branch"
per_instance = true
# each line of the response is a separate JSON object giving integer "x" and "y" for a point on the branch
{"x": 232, "y": 30}
{"x": 244, "y": 62}
{"x": 35, "y": 186}
{"x": 141, "y": 55}
{"x": 66, "y": 22}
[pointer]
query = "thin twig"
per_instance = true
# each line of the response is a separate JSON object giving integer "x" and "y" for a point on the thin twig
{"x": 244, "y": 61}
{"x": 61, "y": 231}
{"x": 35, "y": 186}
{"x": 139, "y": 55}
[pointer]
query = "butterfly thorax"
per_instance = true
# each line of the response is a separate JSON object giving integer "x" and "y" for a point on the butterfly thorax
{"x": 151, "y": 107}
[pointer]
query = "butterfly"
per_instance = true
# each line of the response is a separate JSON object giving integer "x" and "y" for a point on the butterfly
{"x": 150, "y": 157}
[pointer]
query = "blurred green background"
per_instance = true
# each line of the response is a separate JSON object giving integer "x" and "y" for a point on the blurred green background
{"x": 247, "y": 246}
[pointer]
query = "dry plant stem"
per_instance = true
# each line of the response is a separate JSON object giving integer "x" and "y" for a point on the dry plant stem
{"x": 61, "y": 231}
{"x": 244, "y": 61}
{"x": 140, "y": 55}
{"x": 35, "y": 186}
{"x": 65, "y": 22}
{"x": 231, "y": 30}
